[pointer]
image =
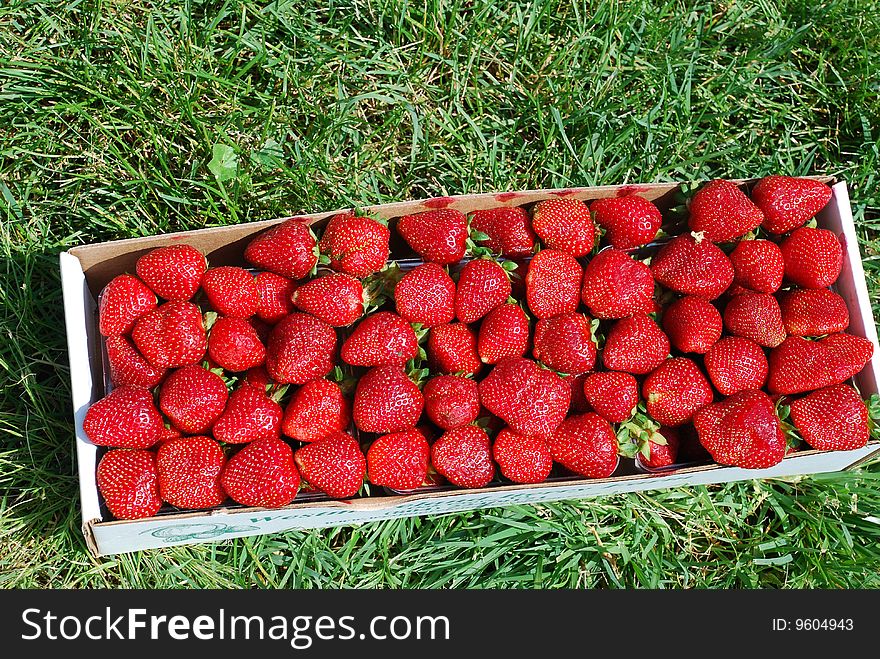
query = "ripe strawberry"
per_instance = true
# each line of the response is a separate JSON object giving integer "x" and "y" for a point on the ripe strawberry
{"x": 288, "y": 249}
{"x": 675, "y": 390}
{"x": 128, "y": 367}
{"x": 509, "y": 230}
{"x": 231, "y": 291}
{"x": 357, "y": 246}
{"x": 300, "y": 348}
{"x": 692, "y": 324}
{"x": 336, "y": 298}
{"x": 798, "y": 365}
{"x": 259, "y": 377}
{"x": 399, "y": 460}
{"x": 173, "y": 272}
{"x": 522, "y": 458}
{"x": 249, "y": 415}
{"x": 832, "y": 419}
{"x": 757, "y": 265}
{"x": 380, "y": 339}
{"x": 464, "y": 457}
{"x": 616, "y": 286}
{"x": 742, "y": 431}
{"x": 317, "y": 409}
{"x": 813, "y": 257}
{"x": 635, "y": 345}
{"x": 171, "y": 335}
{"x": 122, "y": 302}
{"x": 451, "y": 401}
{"x": 335, "y": 465}
{"x": 629, "y": 221}
{"x": 274, "y": 293}
{"x": 578, "y": 400}
{"x": 262, "y": 474}
{"x": 755, "y": 316}
{"x": 693, "y": 267}
{"x": 129, "y": 483}
{"x": 189, "y": 471}
{"x": 452, "y": 348}
{"x": 193, "y": 398}
{"x": 788, "y": 202}
{"x": 661, "y": 455}
{"x": 438, "y": 236}
{"x": 722, "y": 212}
{"x": 386, "y": 400}
{"x": 586, "y": 445}
{"x": 553, "y": 283}
{"x": 262, "y": 329}
{"x": 482, "y": 286}
{"x": 565, "y": 343}
{"x": 564, "y": 224}
{"x": 125, "y": 418}
{"x": 168, "y": 433}
{"x": 234, "y": 345}
{"x": 813, "y": 312}
{"x": 735, "y": 364}
{"x": 504, "y": 332}
{"x": 530, "y": 399}
{"x": 426, "y": 295}
{"x": 612, "y": 394}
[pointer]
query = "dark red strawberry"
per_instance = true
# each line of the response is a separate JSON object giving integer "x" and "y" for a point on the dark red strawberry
{"x": 722, "y": 212}
{"x": 249, "y": 415}
{"x": 482, "y": 286}
{"x": 451, "y": 401}
{"x": 662, "y": 449}
{"x": 300, "y": 348}
{"x": 234, "y": 345}
{"x": 173, "y": 272}
{"x": 635, "y": 345}
{"x": 399, "y": 460}
{"x": 675, "y": 390}
{"x": 386, "y": 400}
{"x": 335, "y": 465}
{"x": 629, "y": 221}
{"x": 565, "y": 343}
{"x": 355, "y": 245}
{"x": 616, "y": 286}
{"x": 735, "y": 364}
{"x": 578, "y": 400}
{"x": 380, "y": 339}
{"x": 692, "y": 324}
{"x": 171, "y": 335}
{"x": 317, "y": 409}
{"x": 788, "y": 202}
{"x": 336, "y": 298}
{"x": 189, "y": 471}
{"x": 125, "y": 418}
{"x": 426, "y": 295}
{"x": 813, "y": 312}
{"x": 438, "y": 236}
{"x": 798, "y": 365}
{"x": 122, "y": 302}
{"x": 274, "y": 292}
{"x": 262, "y": 474}
{"x": 693, "y": 267}
{"x": 231, "y": 291}
{"x": 832, "y": 419}
{"x": 129, "y": 483}
{"x": 464, "y": 457}
{"x": 128, "y": 367}
{"x": 530, "y": 399}
{"x": 452, "y": 348}
{"x": 193, "y": 398}
{"x": 612, "y": 394}
{"x": 259, "y": 377}
{"x": 757, "y": 265}
{"x": 288, "y": 249}
{"x": 755, "y": 316}
{"x": 586, "y": 445}
{"x": 564, "y": 224}
{"x": 522, "y": 458}
{"x": 504, "y": 332}
{"x": 553, "y": 283}
{"x": 509, "y": 230}
{"x": 813, "y": 257}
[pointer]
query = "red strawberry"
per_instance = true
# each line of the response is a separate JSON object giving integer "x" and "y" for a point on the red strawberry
{"x": 357, "y": 246}
{"x": 193, "y": 398}
{"x": 426, "y": 295}
{"x": 399, "y": 460}
{"x": 168, "y": 433}
{"x": 288, "y": 249}
{"x": 234, "y": 345}
{"x": 128, "y": 367}
{"x": 249, "y": 415}
{"x": 189, "y": 472}
{"x": 274, "y": 292}
{"x": 335, "y": 465}
{"x": 504, "y": 332}
{"x": 380, "y": 339}
{"x": 629, "y": 221}
{"x": 336, "y": 298}
{"x": 438, "y": 236}
{"x": 755, "y": 316}
{"x": 850, "y": 351}
{"x": 317, "y": 409}
{"x": 578, "y": 400}
{"x": 231, "y": 291}
{"x": 464, "y": 457}
{"x": 509, "y": 230}
{"x": 757, "y": 265}
{"x": 522, "y": 458}
{"x": 693, "y": 267}
{"x": 742, "y": 431}
{"x": 122, "y": 302}
{"x": 735, "y": 364}
{"x": 300, "y": 348}
{"x": 692, "y": 324}
{"x": 125, "y": 418}
{"x": 171, "y": 335}
{"x": 722, "y": 212}
{"x": 565, "y": 343}
{"x": 553, "y": 283}
{"x": 129, "y": 483}
{"x": 482, "y": 286}
{"x": 675, "y": 390}
{"x": 451, "y": 401}
{"x": 564, "y": 224}
{"x": 635, "y": 345}
{"x": 832, "y": 419}
{"x": 788, "y": 202}
{"x": 798, "y": 365}
{"x": 813, "y": 257}
{"x": 616, "y": 286}
{"x": 386, "y": 400}
{"x": 612, "y": 394}
{"x": 259, "y": 377}
{"x": 262, "y": 474}
{"x": 586, "y": 445}
{"x": 452, "y": 348}
{"x": 661, "y": 455}
{"x": 173, "y": 272}
{"x": 813, "y": 312}
{"x": 262, "y": 329}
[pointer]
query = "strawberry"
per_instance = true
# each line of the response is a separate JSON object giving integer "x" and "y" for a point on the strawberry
{"x": 438, "y": 236}
{"x": 168, "y": 433}
{"x": 612, "y": 394}
{"x": 565, "y": 343}
{"x": 564, "y": 224}
{"x": 522, "y": 458}
{"x": 742, "y": 431}
{"x": 426, "y": 295}
{"x": 755, "y": 316}
{"x": 193, "y": 398}
{"x": 722, "y": 212}
{"x": 661, "y": 455}
{"x": 504, "y": 332}
{"x": 129, "y": 483}
{"x": 122, "y": 302}
{"x": 171, "y": 335}
{"x": 317, "y": 409}
{"x": 355, "y": 245}
{"x": 675, "y": 390}
{"x": 693, "y": 267}
{"x": 813, "y": 312}
{"x": 464, "y": 457}
{"x": 832, "y": 419}
{"x": 813, "y": 257}
{"x": 336, "y": 298}
{"x": 262, "y": 329}
{"x": 629, "y": 221}
{"x": 788, "y": 202}
{"x": 262, "y": 474}
{"x": 452, "y": 348}
{"x": 173, "y": 272}
{"x": 735, "y": 364}
{"x": 508, "y": 230}
{"x": 757, "y": 265}
{"x": 851, "y": 352}
{"x": 386, "y": 400}
{"x": 451, "y": 401}
{"x": 300, "y": 348}
{"x": 128, "y": 367}
{"x": 553, "y": 283}
{"x": 399, "y": 460}
{"x": 259, "y": 377}
{"x": 635, "y": 345}
{"x": 274, "y": 293}
{"x": 482, "y": 286}
{"x": 288, "y": 249}
{"x": 586, "y": 445}
{"x": 234, "y": 344}
{"x": 530, "y": 399}
{"x": 798, "y": 365}
{"x": 380, "y": 339}
{"x": 335, "y": 465}
{"x": 616, "y": 286}
{"x": 692, "y": 324}
{"x": 578, "y": 400}
{"x": 189, "y": 471}
{"x": 126, "y": 418}
{"x": 231, "y": 291}
{"x": 249, "y": 415}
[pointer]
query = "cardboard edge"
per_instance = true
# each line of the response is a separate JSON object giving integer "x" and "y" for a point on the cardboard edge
{"x": 88, "y": 532}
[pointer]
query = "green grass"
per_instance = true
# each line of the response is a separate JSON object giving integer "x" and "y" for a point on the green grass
{"x": 110, "y": 111}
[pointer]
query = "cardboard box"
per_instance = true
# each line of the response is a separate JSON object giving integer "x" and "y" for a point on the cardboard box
{"x": 85, "y": 270}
